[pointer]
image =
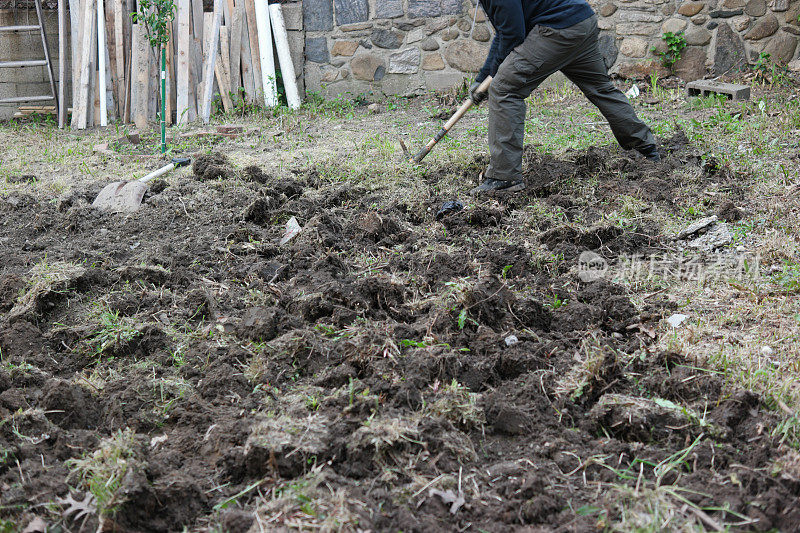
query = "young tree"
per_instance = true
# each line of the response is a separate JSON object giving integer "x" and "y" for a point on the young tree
{"x": 157, "y": 16}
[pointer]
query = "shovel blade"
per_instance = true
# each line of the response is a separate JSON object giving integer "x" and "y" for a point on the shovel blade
{"x": 120, "y": 196}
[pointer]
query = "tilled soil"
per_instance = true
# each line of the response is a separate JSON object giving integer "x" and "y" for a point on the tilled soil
{"x": 388, "y": 369}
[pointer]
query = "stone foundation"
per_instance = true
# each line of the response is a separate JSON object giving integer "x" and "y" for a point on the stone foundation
{"x": 403, "y": 47}
{"x": 723, "y": 36}
{"x": 392, "y": 46}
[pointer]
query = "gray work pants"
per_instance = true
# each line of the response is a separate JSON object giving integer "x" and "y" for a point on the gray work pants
{"x": 575, "y": 52}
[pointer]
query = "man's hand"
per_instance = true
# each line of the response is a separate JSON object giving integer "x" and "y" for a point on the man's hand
{"x": 477, "y": 97}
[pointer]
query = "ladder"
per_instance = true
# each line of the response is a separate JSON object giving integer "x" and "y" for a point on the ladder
{"x": 32, "y": 63}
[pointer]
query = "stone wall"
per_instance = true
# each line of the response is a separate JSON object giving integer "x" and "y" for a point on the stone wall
{"x": 723, "y": 36}
{"x": 24, "y": 46}
{"x": 391, "y": 46}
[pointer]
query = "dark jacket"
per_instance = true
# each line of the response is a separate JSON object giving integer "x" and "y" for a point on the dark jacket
{"x": 513, "y": 19}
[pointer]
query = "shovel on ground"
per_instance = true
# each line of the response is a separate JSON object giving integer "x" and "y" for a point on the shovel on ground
{"x": 482, "y": 88}
{"x": 126, "y": 196}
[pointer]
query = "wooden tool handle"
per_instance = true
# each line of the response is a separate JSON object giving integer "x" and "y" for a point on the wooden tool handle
{"x": 482, "y": 88}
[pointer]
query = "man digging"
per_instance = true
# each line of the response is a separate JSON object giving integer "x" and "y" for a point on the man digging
{"x": 535, "y": 38}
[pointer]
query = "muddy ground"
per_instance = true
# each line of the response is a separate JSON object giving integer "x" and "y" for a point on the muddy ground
{"x": 390, "y": 368}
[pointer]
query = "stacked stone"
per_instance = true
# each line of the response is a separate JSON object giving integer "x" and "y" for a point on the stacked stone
{"x": 722, "y": 36}
{"x": 392, "y": 46}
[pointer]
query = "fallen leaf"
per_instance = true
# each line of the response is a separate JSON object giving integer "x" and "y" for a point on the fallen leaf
{"x": 37, "y": 525}
{"x": 448, "y": 496}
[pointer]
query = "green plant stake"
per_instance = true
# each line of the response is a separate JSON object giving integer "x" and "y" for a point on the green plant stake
{"x": 157, "y": 15}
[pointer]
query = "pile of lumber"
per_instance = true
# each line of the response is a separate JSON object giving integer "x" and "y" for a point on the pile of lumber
{"x": 226, "y": 53}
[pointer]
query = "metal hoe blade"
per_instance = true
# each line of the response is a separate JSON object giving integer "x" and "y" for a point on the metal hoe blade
{"x": 121, "y": 196}
{"x": 126, "y": 196}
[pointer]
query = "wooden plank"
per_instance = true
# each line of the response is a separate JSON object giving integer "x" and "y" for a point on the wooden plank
{"x": 101, "y": 63}
{"x": 221, "y": 69}
{"x": 92, "y": 116}
{"x": 111, "y": 40}
{"x": 62, "y": 63}
{"x": 246, "y": 57}
{"x": 74, "y": 45}
{"x": 75, "y": 21}
{"x": 85, "y": 78}
{"x": 247, "y": 64}
{"x": 140, "y": 76}
{"x": 170, "y": 107}
{"x": 197, "y": 20}
{"x": 197, "y": 53}
{"x": 110, "y": 104}
{"x": 119, "y": 59}
{"x": 212, "y": 40}
{"x": 154, "y": 102}
{"x": 208, "y": 26}
{"x": 236, "y": 48}
{"x": 250, "y": 11}
{"x": 182, "y": 75}
{"x": 127, "y": 39}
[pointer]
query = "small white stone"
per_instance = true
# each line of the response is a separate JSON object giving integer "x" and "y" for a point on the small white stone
{"x": 766, "y": 351}
{"x": 511, "y": 340}
{"x": 676, "y": 320}
{"x": 740, "y": 249}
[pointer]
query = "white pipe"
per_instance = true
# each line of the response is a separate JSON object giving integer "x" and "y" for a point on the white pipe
{"x": 101, "y": 61}
{"x": 266, "y": 52}
{"x": 284, "y": 56}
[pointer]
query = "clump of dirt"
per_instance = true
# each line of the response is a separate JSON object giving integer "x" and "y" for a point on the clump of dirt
{"x": 212, "y": 166}
{"x": 729, "y": 212}
{"x": 255, "y": 174}
{"x": 450, "y": 371}
{"x": 22, "y": 178}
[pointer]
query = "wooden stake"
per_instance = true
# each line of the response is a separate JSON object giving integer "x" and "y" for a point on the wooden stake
{"x": 236, "y": 48}
{"x": 62, "y": 63}
{"x": 101, "y": 62}
{"x": 127, "y": 35}
{"x": 140, "y": 72}
{"x": 75, "y": 7}
{"x": 81, "y": 110}
{"x": 183, "y": 63}
{"x": 118, "y": 63}
{"x": 211, "y": 58}
{"x": 221, "y": 69}
{"x": 250, "y": 10}
{"x": 111, "y": 41}
{"x": 170, "y": 96}
{"x": 198, "y": 52}
{"x": 246, "y": 57}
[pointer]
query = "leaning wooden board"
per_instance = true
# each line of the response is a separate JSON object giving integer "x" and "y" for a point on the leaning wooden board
{"x": 88, "y": 26}
{"x": 182, "y": 75}
{"x": 140, "y": 74}
{"x": 212, "y": 41}
{"x": 237, "y": 21}
{"x": 250, "y": 11}
{"x": 246, "y": 56}
{"x": 221, "y": 69}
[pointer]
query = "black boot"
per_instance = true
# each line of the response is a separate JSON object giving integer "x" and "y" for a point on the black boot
{"x": 650, "y": 152}
{"x": 492, "y": 185}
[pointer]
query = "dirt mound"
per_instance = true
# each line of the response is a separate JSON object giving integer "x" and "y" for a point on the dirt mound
{"x": 212, "y": 166}
{"x": 386, "y": 367}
